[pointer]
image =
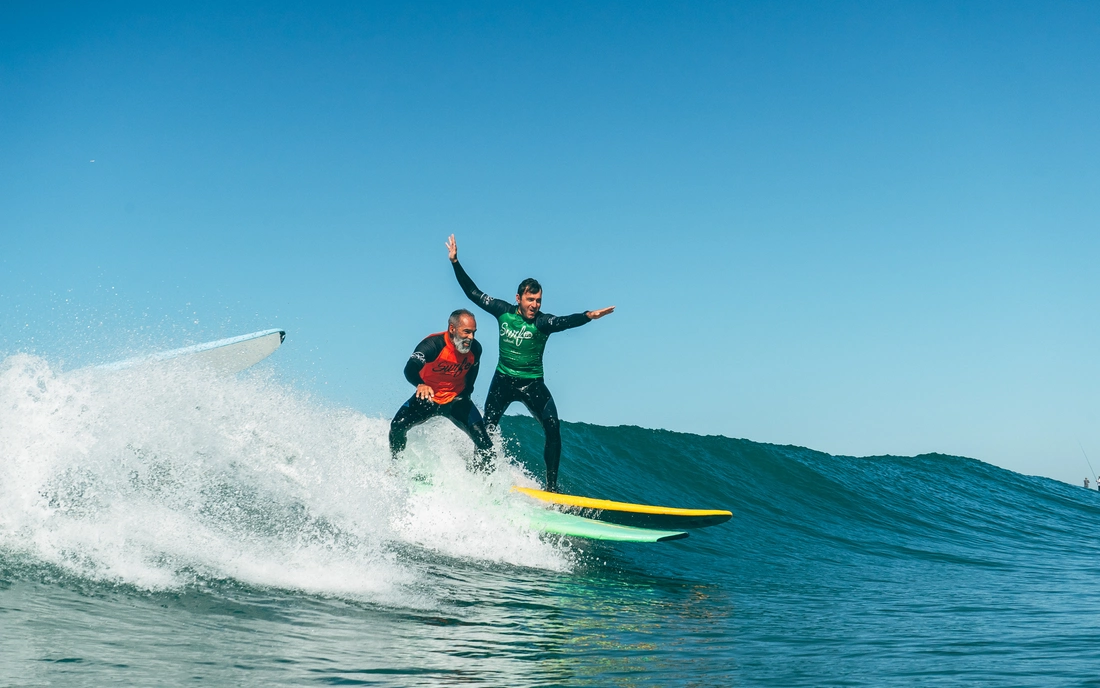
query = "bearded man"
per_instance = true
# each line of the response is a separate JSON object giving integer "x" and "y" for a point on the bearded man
{"x": 443, "y": 369}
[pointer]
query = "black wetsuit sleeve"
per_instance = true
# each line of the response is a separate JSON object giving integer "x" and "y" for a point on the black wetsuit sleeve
{"x": 426, "y": 352}
{"x": 495, "y": 307}
{"x": 549, "y": 324}
{"x": 471, "y": 374}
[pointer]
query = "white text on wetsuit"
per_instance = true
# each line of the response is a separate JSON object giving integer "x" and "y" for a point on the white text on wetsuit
{"x": 515, "y": 336}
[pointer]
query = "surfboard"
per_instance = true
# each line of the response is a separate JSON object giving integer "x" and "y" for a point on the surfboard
{"x": 225, "y": 356}
{"x": 550, "y": 521}
{"x": 639, "y": 516}
{"x": 545, "y": 520}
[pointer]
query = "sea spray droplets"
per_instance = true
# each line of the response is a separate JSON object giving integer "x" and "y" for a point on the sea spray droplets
{"x": 158, "y": 475}
{"x": 470, "y": 514}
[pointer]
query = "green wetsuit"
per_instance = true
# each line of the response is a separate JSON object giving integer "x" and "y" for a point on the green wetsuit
{"x": 519, "y": 374}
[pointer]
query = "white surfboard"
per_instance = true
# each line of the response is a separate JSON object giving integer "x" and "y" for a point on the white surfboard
{"x": 224, "y": 356}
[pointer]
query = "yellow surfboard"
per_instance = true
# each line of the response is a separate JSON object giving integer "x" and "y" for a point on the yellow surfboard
{"x": 636, "y": 515}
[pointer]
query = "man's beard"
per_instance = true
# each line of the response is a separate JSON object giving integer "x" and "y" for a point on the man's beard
{"x": 462, "y": 346}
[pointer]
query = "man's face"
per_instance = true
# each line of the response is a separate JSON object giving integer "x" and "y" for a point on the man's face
{"x": 529, "y": 303}
{"x": 462, "y": 333}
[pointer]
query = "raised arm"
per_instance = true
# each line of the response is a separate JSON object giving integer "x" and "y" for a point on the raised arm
{"x": 487, "y": 303}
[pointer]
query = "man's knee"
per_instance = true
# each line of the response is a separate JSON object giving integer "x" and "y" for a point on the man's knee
{"x": 402, "y": 422}
{"x": 397, "y": 440}
{"x": 492, "y": 418}
{"x": 550, "y": 422}
{"x": 481, "y": 438}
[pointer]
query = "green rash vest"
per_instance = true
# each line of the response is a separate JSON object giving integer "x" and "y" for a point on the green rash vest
{"x": 522, "y": 342}
{"x": 521, "y": 346}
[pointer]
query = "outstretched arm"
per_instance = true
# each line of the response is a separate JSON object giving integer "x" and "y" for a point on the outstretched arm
{"x": 487, "y": 303}
{"x": 556, "y": 323}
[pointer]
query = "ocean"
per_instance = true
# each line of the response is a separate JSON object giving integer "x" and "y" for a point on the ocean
{"x": 160, "y": 526}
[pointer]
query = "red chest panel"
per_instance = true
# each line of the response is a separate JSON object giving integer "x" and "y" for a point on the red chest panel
{"x": 447, "y": 373}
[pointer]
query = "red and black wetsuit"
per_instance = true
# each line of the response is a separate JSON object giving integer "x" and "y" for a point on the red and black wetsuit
{"x": 451, "y": 375}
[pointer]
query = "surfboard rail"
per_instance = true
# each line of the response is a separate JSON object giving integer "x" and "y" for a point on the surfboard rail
{"x": 555, "y": 522}
{"x": 230, "y": 355}
{"x": 627, "y": 514}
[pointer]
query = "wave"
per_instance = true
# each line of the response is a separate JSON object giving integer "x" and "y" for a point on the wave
{"x": 165, "y": 476}
{"x": 161, "y": 477}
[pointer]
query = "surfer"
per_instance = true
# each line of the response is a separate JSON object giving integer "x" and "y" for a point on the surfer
{"x": 443, "y": 369}
{"x": 524, "y": 329}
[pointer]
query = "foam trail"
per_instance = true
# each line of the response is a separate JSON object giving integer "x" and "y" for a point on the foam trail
{"x": 159, "y": 476}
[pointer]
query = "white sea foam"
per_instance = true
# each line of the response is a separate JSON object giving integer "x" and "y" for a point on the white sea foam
{"x": 160, "y": 475}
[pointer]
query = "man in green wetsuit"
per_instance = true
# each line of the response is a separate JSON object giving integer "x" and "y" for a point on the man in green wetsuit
{"x": 524, "y": 329}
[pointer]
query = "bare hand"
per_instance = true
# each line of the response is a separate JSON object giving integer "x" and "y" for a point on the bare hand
{"x": 596, "y": 315}
{"x": 452, "y": 249}
{"x": 424, "y": 392}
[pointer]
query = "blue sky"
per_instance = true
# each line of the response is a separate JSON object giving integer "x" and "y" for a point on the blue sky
{"x": 860, "y": 227}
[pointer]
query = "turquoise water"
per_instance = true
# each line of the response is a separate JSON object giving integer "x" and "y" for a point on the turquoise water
{"x": 160, "y": 527}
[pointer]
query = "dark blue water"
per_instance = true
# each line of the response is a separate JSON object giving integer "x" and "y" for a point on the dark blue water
{"x": 159, "y": 531}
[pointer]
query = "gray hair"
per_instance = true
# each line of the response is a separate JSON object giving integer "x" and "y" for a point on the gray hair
{"x": 457, "y": 315}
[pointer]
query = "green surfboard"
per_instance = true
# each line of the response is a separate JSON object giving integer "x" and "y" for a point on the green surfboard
{"x": 550, "y": 521}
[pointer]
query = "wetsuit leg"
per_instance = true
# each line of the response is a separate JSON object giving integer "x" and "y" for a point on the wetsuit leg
{"x": 465, "y": 415}
{"x": 538, "y": 400}
{"x": 412, "y": 413}
{"x": 502, "y": 393}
